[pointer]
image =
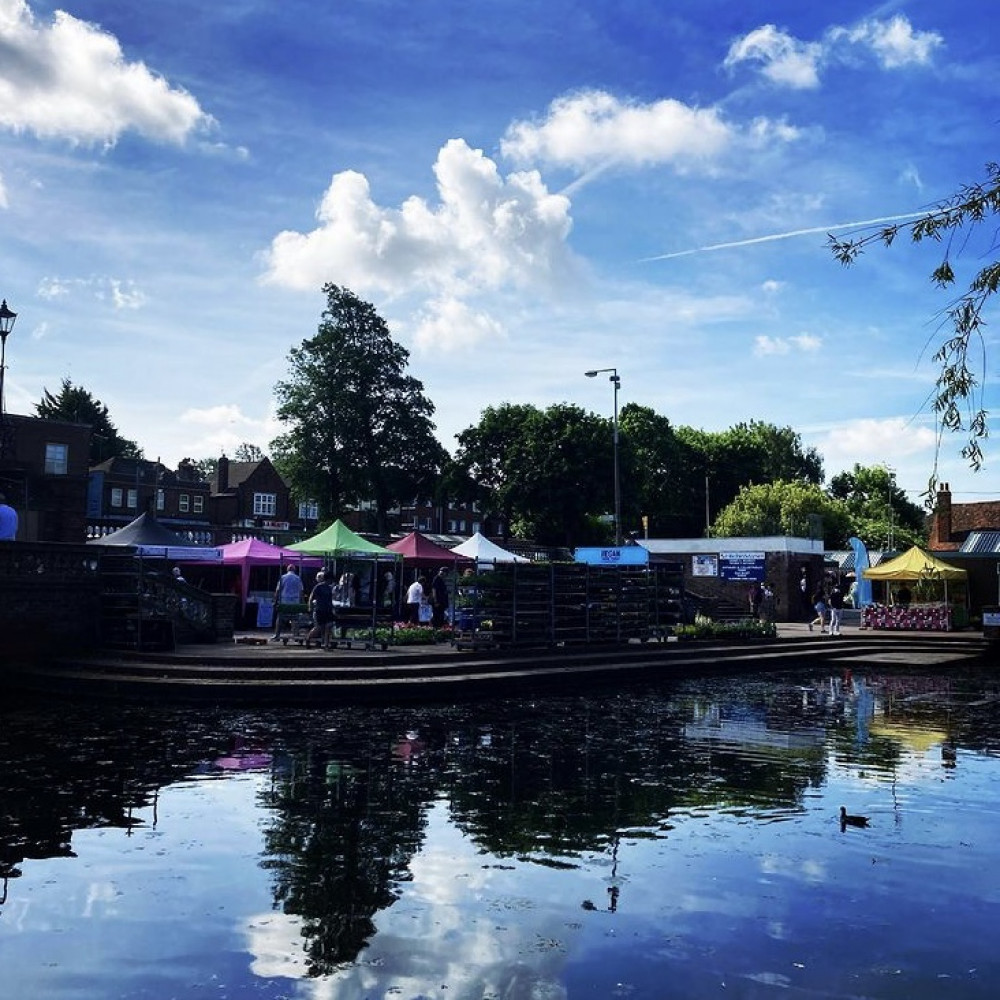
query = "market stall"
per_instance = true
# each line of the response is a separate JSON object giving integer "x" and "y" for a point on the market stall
{"x": 930, "y": 605}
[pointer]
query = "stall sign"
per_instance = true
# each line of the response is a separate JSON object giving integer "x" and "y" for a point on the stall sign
{"x": 741, "y": 566}
{"x": 624, "y": 555}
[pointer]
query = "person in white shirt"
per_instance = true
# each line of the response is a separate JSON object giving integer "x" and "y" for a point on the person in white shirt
{"x": 414, "y": 598}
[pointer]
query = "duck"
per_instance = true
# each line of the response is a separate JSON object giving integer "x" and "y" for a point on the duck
{"x": 847, "y": 820}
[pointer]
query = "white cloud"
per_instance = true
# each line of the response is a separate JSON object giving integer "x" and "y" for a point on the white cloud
{"x": 70, "y": 80}
{"x": 791, "y": 62}
{"x": 449, "y": 324}
{"x": 870, "y": 441}
{"x": 121, "y": 294}
{"x": 807, "y": 343}
{"x": 4, "y": 203}
{"x": 487, "y": 232}
{"x": 784, "y": 59}
{"x": 894, "y": 42}
{"x": 221, "y": 429}
{"x": 588, "y": 129}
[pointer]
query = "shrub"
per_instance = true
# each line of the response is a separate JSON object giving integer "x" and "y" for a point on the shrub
{"x": 747, "y": 628}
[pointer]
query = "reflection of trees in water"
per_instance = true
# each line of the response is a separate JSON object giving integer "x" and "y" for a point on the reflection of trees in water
{"x": 547, "y": 780}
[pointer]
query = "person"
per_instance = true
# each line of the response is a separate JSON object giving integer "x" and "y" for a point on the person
{"x": 288, "y": 591}
{"x": 321, "y": 607}
{"x": 388, "y": 588}
{"x": 8, "y": 521}
{"x": 903, "y": 596}
{"x": 414, "y": 598}
{"x": 178, "y": 577}
{"x": 768, "y": 607}
{"x": 439, "y": 597}
{"x": 755, "y": 598}
{"x": 805, "y": 592}
{"x": 836, "y": 608}
{"x": 820, "y": 607}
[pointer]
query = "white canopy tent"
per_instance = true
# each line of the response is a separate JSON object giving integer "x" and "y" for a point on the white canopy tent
{"x": 486, "y": 553}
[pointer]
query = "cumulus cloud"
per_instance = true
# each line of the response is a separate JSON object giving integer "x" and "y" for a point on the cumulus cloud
{"x": 588, "y": 129}
{"x": 70, "y": 80}
{"x": 869, "y": 441}
{"x": 806, "y": 343}
{"x": 449, "y": 324}
{"x": 791, "y": 62}
{"x": 783, "y": 59}
{"x": 486, "y": 232}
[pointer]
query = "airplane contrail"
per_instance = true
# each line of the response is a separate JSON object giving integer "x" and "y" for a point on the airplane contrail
{"x": 781, "y": 236}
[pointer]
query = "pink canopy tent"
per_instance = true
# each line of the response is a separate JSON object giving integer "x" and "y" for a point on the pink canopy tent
{"x": 253, "y": 552}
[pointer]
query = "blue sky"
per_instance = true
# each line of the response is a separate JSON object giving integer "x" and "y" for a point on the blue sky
{"x": 524, "y": 191}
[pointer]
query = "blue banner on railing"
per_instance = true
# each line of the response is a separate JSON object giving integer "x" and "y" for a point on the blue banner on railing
{"x": 620, "y": 555}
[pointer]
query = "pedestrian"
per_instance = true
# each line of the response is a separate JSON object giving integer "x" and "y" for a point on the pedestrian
{"x": 414, "y": 598}
{"x": 820, "y": 607}
{"x": 439, "y": 597}
{"x": 755, "y": 599}
{"x": 178, "y": 576}
{"x": 287, "y": 592}
{"x": 836, "y": 608}
{"x": 8, "y": 521}
{"x": 321, "y": 607}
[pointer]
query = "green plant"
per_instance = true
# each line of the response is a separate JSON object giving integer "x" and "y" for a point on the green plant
{"x": 747, "y": 628}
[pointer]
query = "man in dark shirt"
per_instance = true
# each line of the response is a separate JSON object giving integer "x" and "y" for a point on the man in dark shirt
{"x": 439, "y": 597}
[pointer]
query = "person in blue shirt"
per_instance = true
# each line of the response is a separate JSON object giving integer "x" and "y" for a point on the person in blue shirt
{"x": 8, "y": 521}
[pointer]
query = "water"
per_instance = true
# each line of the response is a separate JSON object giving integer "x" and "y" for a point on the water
{"x": 672, "y": 841}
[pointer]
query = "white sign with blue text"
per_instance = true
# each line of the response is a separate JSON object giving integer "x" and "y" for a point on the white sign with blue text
{"x": 741, "y": 565}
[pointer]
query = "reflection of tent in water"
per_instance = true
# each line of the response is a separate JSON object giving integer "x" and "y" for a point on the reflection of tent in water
{"x": 916, "y": 566}
{"x": 917, "y": 738}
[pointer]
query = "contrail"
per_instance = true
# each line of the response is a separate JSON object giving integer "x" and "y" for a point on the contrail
{"x": 783, "y": 236}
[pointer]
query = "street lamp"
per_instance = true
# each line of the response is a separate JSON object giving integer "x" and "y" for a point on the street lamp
{"x": 6, "y": 325}
{"x": 616, "y": 381}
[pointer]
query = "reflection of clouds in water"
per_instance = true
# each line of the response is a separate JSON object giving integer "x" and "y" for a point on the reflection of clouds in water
{"x": 807, "y": 869}
{"x": 275, "y": 941}
{"x": 454, "y": 928}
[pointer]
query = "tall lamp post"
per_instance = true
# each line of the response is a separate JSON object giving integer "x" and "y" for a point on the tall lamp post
{"x": 616, "y": 382}
{"x": 6, "y": 325}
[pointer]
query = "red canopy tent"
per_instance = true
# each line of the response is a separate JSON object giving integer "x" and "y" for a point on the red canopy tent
{"x": 419, "y": 550}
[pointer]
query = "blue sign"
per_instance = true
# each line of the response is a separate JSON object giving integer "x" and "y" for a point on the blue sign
{"x": 742, "y": 566}
{"x": 621, "y": 555}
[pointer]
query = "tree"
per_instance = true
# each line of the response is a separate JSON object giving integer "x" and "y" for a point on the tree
{"x": 76, "y": 405}
{"x": 785, "y": 508}
{"x": 958, "y": 391}
{"x": 247, "y": 452}
{"x": 881, "y": 513}
{"x": 358, "y": 427}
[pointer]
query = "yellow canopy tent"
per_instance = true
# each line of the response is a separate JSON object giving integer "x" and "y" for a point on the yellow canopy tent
{"x": 915, "y": 564}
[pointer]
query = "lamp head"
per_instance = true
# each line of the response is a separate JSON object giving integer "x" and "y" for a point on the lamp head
{"x": 6, "y": 319}
{"x": 588, "y": 374}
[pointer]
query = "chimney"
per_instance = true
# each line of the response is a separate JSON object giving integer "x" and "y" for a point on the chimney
{"x": 941, "y": 528}
{"x": 223, "y": 470}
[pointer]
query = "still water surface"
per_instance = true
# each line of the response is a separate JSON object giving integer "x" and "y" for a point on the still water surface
{"x": 673, "y": 841}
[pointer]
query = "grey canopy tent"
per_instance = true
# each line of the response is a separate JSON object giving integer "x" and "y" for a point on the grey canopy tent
{"x": 152, "y": 540}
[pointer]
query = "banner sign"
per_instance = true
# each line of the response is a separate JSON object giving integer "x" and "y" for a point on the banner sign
{"x": 741, "y": 566}
{"x": 624, "y": 555}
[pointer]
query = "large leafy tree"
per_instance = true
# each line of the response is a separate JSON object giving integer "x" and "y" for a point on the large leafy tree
{"x": 358, "y": 426}
{"x": 544, "y": 472}
{"x": 961, "y": 354}
{"x": 786, "y": 508}
{"x": 882, "y": 515}
{"x": 76, "y": 405}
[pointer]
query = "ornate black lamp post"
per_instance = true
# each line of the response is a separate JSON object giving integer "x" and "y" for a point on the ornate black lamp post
{"x": 616, "y": 381}
{"x": 6, "y": 325}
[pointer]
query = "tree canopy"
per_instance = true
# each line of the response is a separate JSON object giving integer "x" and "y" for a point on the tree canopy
{"x": 958, "y": 397}
{"x": 76, "y": 405}
{"x": 882, "y": 515}
{"x": 358, "y": 427}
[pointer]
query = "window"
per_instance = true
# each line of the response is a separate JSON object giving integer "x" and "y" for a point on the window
{"x": 56, "y": 459}
{"x": 265, "y": 504}
{"x": 161, "y": 499}
{"x": 116, "y": 496}
{"x": 184, "y": 503}
{"x": 133, "y": 499}
{"x": 309, "y": 511}
{"x": 199, "y": 505}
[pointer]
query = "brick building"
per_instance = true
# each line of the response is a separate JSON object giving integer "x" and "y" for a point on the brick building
{"x": 43, "y": 472}
{"x": 952, "y": 523}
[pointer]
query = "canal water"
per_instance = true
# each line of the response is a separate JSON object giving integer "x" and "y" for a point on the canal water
{"x": 677, "y": 840}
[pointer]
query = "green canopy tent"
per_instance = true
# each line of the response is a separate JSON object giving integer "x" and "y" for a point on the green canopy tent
{"x": 344, "y": 550}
